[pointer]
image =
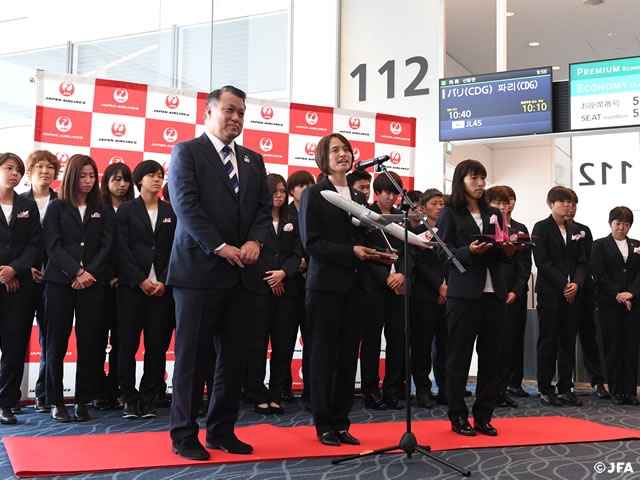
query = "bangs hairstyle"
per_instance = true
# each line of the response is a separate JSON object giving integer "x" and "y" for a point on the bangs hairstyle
{"x": 273, "y": 180}
{"x": 12, "y": 156}
{"x": 428, "y": 195}
{"x": 110, "y": 172}
{"x": 458, "y": 199}
{"x": 357, "y": 175}
{"x": 497, "y": 194}
{"x": 68, "y": 192}
{"x": 559, "y": 194}
{"x": 383, "y": 184}
{"x": 145, "y": 168}
{"x": 622, "y": 214}
{"x": 512, "y": 192}
{"x": 38, "y": 156}
{"x": 214, "y": 96}
{"x": 298, "y": 179}
{"x": 322, "y": 151}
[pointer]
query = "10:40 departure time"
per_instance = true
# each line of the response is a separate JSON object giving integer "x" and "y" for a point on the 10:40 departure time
{"x": 455, "y": 114}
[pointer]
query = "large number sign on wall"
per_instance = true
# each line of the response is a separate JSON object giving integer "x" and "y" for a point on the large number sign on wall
{"x": 120, "y": 122}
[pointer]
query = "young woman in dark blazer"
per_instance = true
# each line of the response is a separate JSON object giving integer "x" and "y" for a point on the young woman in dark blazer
{"x": 337, "y": 284}
{"x": 116, "y": 188}
{"x": 275, "y": 305}
{"x": 42, "y": 169}
{"x": 475, "y": 299}
{"x": 78, "y": 233}
{"x": 21, "y": 248}
{"x": 146, "y": 228}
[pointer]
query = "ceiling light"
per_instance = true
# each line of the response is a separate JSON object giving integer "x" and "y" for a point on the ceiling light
{"x": 555, "y": 67}
{"x": 534, "y": 44}
{"x": 510, "y": 14}
{"x": 592, "y": 2}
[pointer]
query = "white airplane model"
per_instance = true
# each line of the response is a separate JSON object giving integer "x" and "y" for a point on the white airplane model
{"x": 370, "y": 218}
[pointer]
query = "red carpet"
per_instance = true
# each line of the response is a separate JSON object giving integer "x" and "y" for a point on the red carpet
{"x": 125, "y": 451}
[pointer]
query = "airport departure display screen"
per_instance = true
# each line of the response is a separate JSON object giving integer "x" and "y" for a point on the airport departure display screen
{"x": 605, "y": 94}
{"x": 501, "y": 104}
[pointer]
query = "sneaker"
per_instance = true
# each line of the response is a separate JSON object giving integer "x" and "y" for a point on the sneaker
{"x": 146, "y": 410}
{"x": 130, "y": 410}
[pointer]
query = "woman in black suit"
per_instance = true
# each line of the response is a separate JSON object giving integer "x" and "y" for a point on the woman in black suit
{"x": 116, "y": 188}
{"x": 146, "y": 228}
{"x": 21, "y": 240}
{"x": 275, "y": 305}
{"x": 337, "y": 284}
{"x": 78, "y": 233}
{"x": 42, "y": 169}
{"x": 615, "y": 264}
{"x": 475, "y": 299}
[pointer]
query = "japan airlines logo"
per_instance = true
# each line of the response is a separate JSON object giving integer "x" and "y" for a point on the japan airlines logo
{"x": 172, "y": 101}
{"x": 170, "y": 135}
{"x": 63, "y": 124}
{"x": 266, "y": 112}
{"x": 395, "y": 128}
{"x": 356, "y": 153}
{"x": 66, "y": 89}
{"x": 62, "y": 158}
{"x": 310, "y": 149}
{"x": 354, "y": 123}
{"x": 118, "y": 129}
{"x": 395, "y": 157}
{"x": 266, "y": 144}
{"x": 165, "y": 166}
{"x": 116, "y": 159}
{"x": 121, "y": 95}
{"x": 311, "y": 118}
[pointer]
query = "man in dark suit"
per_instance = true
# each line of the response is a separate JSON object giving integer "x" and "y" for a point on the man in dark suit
{"x": 220, "y": 196}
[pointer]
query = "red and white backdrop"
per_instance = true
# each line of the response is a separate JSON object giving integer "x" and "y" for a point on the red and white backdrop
{"x": 121, "y": 122}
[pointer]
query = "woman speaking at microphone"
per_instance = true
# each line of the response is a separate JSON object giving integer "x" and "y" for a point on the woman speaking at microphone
{"x": 337, "y": 284}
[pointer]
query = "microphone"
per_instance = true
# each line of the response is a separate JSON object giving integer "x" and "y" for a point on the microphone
{"x": 370, "y": 163}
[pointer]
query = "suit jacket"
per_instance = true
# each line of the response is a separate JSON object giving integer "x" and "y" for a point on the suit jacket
{"x": 428, "y": 272}
{"x": 73, "y": 243}
{"x": 328, "y": 236}
{"x": 518, "y": 271}
{"x": 558, "y": 261}
{"x": 42, "y": 259}
{"x": 457, "y": 228}
{"x": 611, "y": 273}
{"x": 21, "y": 239}
{"x": 281, "y": 251}
{"x": 210, "y": 213}
{"x": 140, "y": 246}
{"x": 588, "y": 286}
{"x": 375, "y": 239}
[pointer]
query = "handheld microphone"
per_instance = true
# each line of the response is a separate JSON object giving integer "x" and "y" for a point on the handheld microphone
{"x": 370, "y": 163}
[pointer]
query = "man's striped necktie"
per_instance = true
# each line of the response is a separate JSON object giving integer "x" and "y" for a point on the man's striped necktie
{"x": 231, "y": 171}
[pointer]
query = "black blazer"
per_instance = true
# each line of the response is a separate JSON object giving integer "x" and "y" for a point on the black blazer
{"x": 457, "y": 228}
{"x": 281, "y": 251}
{"x": 210, "y": 213}
{"x": 328, "y": 235}
{"x": 518, "y": 271}
{"x": 21, "y": 239}
{"x": 588, "y": 286}
{"x": 375, "y": 239}
{"x": 558, "y": 261}
{"x": 429, "y": 271}
{"x": 611, "y": 273}
{"x": 73, "y": 243}
{"x": 42, "y": 259}
{"x": 140, "y": 246}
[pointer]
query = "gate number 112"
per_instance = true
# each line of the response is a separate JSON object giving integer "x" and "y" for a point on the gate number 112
{"x": 605, "y": 167}
{"x": 389, "y": 68}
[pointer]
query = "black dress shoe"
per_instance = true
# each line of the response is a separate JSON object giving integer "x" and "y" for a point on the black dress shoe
{"x": 7, "y": 417}
{"x": 393, "y": 403}
{"x": 483, "y": 426}
{"x": 550, "y": 399}
{"x": 569, "y": 398}
{"x": 601, "y": 392}
{"x": 346, "y": 437}
{"x": 287, "y": 396}
{"x": 40, "y": 406}
{"x": 262, "y": 410}
{"x": 461, "y": 426}
{"x": 442, "y": 399}
{"x": 275, "y": 408}
{"x": 374, "y": 401}
{"x": 147, "y": 410}
{"x": 329, "y": 438}
{"x": 161, "y": 401}
{"x": 81, "y": 412}
{"x": 130, "y": 410}
{"x": 618, "y": 399}
{"x": 518, "y": 391}
{"x": 504, "y": 400}
{"x": 191, "y": 449}
{"x": 100, "y": 403}
{"x": 59, "y": 414}
{"x": 424, "y": 400}
{"x": 630, "y": 399}
{"x": 231, "y": 445}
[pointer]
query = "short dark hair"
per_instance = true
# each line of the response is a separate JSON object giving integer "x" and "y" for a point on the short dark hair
{"x": 214, "y": 96}
{"x": 512, "y": 192}
{"x": 322, "y": 151}
{"x": 559, "y": 194}
{"x": 414, "y": 195}
{"x": 497, "y": 193}
{"x": 299, "y": 178}
{"x": 428, "y": 195}
{"x": 68, "y": 192}
{"x": 165, "y": 193}
{"x": 357, "y": 175}
{"x": 622, "y": 214}
{"x": 382, "y": 183}
{"x": 574, "y": 195}
{"x": 111, "y": 171}
{"x": 145, "y": 168}
{"x": 12, "y": 156}
{"x": 273, "y": 180}
{"x": 458, "y": 199}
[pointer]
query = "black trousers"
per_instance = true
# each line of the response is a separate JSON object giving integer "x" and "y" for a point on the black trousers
{"x": 335, "y": 324}
{"x": 61, "y": 302}
{"x": 109, "y": 384}
{"x": 16, "y": 318}
{"x": 472, "y": 321}
{"x": 154, "y": 318}
{"x": 37, "y": 308}
{"x": 587, "y": 334}
{"x": 512, "y": 348}
{"x": 556, "y": 342}
{"x": 428, "y": 321}
{"x": 276, "y": 321}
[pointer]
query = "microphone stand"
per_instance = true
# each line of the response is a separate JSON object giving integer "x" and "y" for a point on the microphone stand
{"x": 408, "y": 442}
